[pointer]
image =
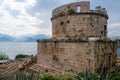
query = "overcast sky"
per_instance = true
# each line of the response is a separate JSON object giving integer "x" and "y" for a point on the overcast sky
{"x": 21, "y": 17}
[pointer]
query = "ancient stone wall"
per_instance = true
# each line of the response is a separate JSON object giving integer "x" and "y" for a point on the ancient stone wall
{"x": 66, "y": 56}
{"x": 84, "y": 25}
{"x": 68, "y": 23}
{"x": 76, "y": 56}
{"x": 105, "y": 55}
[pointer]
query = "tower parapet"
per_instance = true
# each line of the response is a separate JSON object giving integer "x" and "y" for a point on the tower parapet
{"x": 71, "y": 8}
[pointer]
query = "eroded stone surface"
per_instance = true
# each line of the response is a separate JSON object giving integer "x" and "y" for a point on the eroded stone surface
{"x": 77, "y": 56}
{"x": 67, "y": 22}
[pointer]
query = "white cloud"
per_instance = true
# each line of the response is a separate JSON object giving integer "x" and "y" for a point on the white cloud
{"x": 114, "y": 25}
{"x": 113, "y": 33}
{"x": 114, "y": 29}
{"x": 21, "y": 24}
{"x": 34, "y": 17}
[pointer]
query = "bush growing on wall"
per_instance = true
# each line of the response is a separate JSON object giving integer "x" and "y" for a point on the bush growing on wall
{"x": 71, "y": 11}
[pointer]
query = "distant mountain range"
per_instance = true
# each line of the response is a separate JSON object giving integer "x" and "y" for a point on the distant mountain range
{"x": 33, "y": 38}
{"x": 24, "y": 38}
{"x": 114, "y": 38}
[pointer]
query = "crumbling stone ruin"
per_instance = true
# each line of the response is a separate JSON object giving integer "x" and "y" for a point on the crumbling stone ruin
{"x": 14, "y": 66}
{"x": 79, "y": 41}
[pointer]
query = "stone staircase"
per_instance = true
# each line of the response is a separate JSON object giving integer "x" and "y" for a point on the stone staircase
{"x": 50, "y": 70}
{"x": 11, "y": 68}
{"x": 15, "y": 65}
{"x": 46, "y": 69}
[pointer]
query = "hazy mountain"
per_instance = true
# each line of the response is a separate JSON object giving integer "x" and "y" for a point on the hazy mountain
{"x": 26, "y": 39}
{"x": 6, "y": 38}
{"x": 41, "y": 36}
{"x": 23, "y": 38}
{"x": 32, "y": 38}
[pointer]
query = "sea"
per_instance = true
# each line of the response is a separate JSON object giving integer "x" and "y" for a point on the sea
{"x": 118, "y": 51}
{"x": 13, "y": 48}
{"x": 29, "y": 48}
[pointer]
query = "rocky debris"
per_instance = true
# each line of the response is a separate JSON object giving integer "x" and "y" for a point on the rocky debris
{"x": 16, "y": 65}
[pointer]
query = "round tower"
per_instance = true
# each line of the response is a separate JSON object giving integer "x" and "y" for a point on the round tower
{"x": 76, "y": 20}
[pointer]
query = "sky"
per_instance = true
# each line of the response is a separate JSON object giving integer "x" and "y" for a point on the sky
{"x": 30, "y": 17}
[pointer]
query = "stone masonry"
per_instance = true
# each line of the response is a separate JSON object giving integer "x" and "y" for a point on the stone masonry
{"x": 79, "y": 40}
{"x": 77, "y": 20}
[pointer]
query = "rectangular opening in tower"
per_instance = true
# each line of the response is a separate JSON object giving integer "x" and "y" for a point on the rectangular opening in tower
{"x": 78, "y": 9}
{"x": 105, "y": 30}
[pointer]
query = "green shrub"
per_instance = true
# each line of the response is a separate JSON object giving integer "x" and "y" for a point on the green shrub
{"x": 87, "y": 75}
{"x": 55, "y": 58}
{"x": 106, "y": 74}
{"x": 3, "y": 56}
{"x": 113, "y": 76}
{"x": 110, "y": 74}
{"x": 20, "y": 56}
{"x": 68, "y": 78}
{"x": 23, "y": 76}
{"x": 48, "y": 77}
{"x": 71, "y": 11}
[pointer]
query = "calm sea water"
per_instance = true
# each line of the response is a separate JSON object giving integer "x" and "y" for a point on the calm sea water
{"x": 14, "y": 48}
{"x": 118, "y": 51}
{"x": 30, "y": 48}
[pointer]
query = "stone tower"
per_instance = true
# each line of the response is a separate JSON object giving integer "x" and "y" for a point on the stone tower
{"x": 77, "y": 20}
{"x": 79, "y": 41}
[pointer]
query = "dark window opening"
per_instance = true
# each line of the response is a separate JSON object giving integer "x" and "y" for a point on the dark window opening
{"x": 92, "y": 25}
{"x": 102, "y": 32}
{"x": 105, "y": 27}
{"x": 46, "y": 70}
{"x": 61, "y": 23}
{"x": 101, "y": 15}
{"x": 67, "y": 36}
{"x": 109, "y": 64}
{"x": 80, "y": 30}
{"x": 78, "y": 9}
{"x": 105, "y": 30}
{"x": 83, "y": 19}
{"x": 68, "y": 21}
